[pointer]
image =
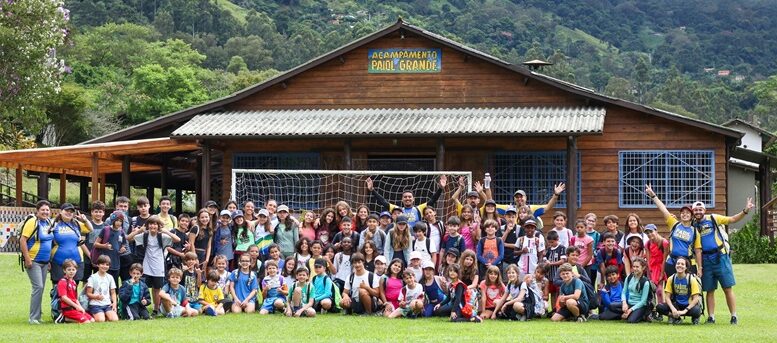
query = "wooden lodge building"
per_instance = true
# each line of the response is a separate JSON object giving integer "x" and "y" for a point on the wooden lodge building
{"x": 407, "y": 99}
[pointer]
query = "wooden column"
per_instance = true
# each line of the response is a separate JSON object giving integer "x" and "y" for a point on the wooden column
{"x": 572, "y": 180}
{"x": 95, "y": 178}
{"x": 43, "y": 185}
{"x": 163, "y": 179}
{"x": 83, "y": 199}
{"x": 19, "y": 186}
{"x": 198, "y": 201}
{"x": 205, "y": 183}
{"x": 765, "y": 196}
{"x": 179, "y": 201}
{"x": 125, "y": 176}
{"x": 102, "y": 187}
{"x": 150, "y": 195}
{"x": 62, "y": 187}
{"x": 347, "y": 163}
{"x": 440, "y": 163}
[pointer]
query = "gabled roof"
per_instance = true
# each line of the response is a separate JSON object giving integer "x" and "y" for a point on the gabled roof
{"x": 182, "y": 116}
{"x": 402, "y": 122}
{"x": 767, "y": 136}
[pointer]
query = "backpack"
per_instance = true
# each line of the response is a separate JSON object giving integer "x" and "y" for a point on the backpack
{"x": 651, "y": 301}
{"x": 720, "y": 230}
{"x": 593, "y": 297}
{"x": 309, "y": 292}
{"x": 537, "y": 236}
{"x": 18, "y": 233}
{"x": 428, "y": 245}
{"x": 688, "y": 277}
{"x": 529, "y": 301}
{"x": 335, "y": 293}
{"x": 95, "y": 253}
{"x": 370, "y": 279}
{"x": 469, "y": 309}
{"x": 440, "y": 227}
{"x": 140, "y": 250}
{"x": 55, "y": 304}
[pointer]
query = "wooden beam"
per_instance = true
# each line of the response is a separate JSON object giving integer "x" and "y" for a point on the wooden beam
{"x": 154, "y": 145}
{"x": 62, "y": 187}
{"x": 198, "y": 202}
{"x": 205, "y": 186}
{"x": 150, "y": 195}
{"x": 19, "y": 186}
{"x": 43, "y": 185}
{"x": 163, "y": 179}
{"x": 347, "y": 161}
{"x": 102, "y": 187}
{"x": 95, "y": 177}
{"x": 440, "y": 162}
{"x": 572, "y": 180}
{"x": 125, "y": 176}
{"x": 83, "y": 196}
{"x": 179, "y": 201}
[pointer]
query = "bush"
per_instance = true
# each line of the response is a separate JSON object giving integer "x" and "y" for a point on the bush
{"x": 748, "y": 246}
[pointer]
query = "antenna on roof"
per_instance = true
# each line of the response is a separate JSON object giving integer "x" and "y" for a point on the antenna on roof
{"x": 536, "y": 64}
{"x": 400, "y": 21}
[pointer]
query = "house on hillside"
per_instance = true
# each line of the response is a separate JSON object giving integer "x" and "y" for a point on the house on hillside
{"x": 406, "y": 95}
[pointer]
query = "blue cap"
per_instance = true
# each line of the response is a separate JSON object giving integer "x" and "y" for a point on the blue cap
{"x": 651, "y": 227}
{"x": 385, "y": 214}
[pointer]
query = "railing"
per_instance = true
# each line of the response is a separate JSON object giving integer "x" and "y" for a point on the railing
{"x": 8, "y": 197}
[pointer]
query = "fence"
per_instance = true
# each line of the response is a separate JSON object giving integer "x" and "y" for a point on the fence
{"x": 10, "y": 220}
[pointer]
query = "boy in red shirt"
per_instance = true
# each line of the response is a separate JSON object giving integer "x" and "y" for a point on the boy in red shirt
{"x": 72, "y": 311}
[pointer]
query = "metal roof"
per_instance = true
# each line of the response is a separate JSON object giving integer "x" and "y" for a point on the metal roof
{"x": 513, "y": 121}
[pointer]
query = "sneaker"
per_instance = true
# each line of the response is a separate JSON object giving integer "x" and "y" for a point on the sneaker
{"x": 658, "y": 318}
{"x": 710, "y": 320}
{"x": 581, "y": 319}
{"x": 60, "y": 319}
{"x": 522, "y": 318}
{"x": 734, "y": 320}
{"x": 593, "y": 317}
{"x": 695, "y": 321}
{"x": 476, "y": 319}
{"x": 155, "y": 313}
{"x": 34, "y": 322}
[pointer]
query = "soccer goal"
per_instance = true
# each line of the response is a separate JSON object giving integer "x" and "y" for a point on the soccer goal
{"x": 319, "y": 189}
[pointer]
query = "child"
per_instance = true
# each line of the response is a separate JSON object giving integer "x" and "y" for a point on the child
{"x": 555, "y": 256}
{"x": 211, "y": 296}
{"x": 683, "y": 291}
{"x": 560, "y": 227}
{"x": 385, "y": 221}
{"x": 380, "y": 265}
{"x": 274, "y": 291}
{"x": 152, "y": 246}
{"x": 192, "y": 274}
{"x": 458, "y": 297}
{"x": 532, "y": 248}
{"x": 323, "y": 298}
{"x": 398, "y": 241}
{"x": 316, "y": 252}
{"x": 273, "y": 254}
{"x": 220, "y": 261}
{"x": 289, "y": 269}
{"x": 633, "y": 227}
{"x": 372, "y": 233}
{"x": 470, "y": 228}
{"x": 67, "y": 290}
{"x": 611, "y": 223}
{"x": 510, "y": 233}
{"x": 342, "y": 262}
{"x": 302, "y": 252}
{"x": 573, "y": 301}
{"x": 658, "y": 249}
{"x": 434, "y": 289}
{"x": 175, "y": 303}
{"x": 451, "y": 257}
{"x": 435, "y": 228}
{"x": 300, "y": 300}
{"x": 112, "y": 243}
{"x": 510, "y": 306}
{"x": 415, "y": 265}
{"x": 422, "y": 244}
{"x": 585, "y": 244}
{"x": 286, "y": 231}
{"x": 469, "y": 269}
{"x": 177, "y": 251}
{"x": 346, "y": 231}
{"x": 134, "y": 294}
{"x": 590, "y": 225}
{"x": 243, "y": 286}
{"x": 531, "y": 296}
{"x": 636, "y": 290}
{"x": 608, "y": 255}
{"x": 243, "y": 234}
{"x": 636, "y": 249}
{"x": 490, "y": 248}
{"x": 542, "y": 282}
{"x": 411, "y": 297}
{"x": 223, "y": 241}
{"x": 256, "y": 262}
{"x": 452, "y": 239}
{"x": 491, "y": 291}
{"x": 611, "y": 292}
{"x": 391, "y": 285}
{"x": 101, "y": 291}
{"x": 361, "y": 290}
{"x": 369, "y": 250}
{"x": 96, "y": 218}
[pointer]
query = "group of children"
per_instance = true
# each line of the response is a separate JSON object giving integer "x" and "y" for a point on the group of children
{"x": 473, "y": 267}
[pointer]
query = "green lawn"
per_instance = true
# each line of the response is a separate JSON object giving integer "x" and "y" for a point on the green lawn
{"x": 757, "y": 300}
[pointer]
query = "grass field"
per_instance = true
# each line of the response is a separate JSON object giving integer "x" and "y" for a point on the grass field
{"x": 755, "y": 292}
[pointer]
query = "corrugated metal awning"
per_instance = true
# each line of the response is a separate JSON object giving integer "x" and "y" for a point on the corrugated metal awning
{"x": 507, "y": 121}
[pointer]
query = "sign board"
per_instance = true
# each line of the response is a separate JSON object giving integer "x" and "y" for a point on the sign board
{"x": 404, "y": 61}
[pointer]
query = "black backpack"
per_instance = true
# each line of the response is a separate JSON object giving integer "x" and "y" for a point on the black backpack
{"x": 688, "y": 277}
{"x": 651, "y": 301}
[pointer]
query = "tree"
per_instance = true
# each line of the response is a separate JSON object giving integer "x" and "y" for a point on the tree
{"x": 30, "y": 33}
{"x": 237, "y": 65}
{"x": 620, "y": 88}
{"x": 163, "y": 90}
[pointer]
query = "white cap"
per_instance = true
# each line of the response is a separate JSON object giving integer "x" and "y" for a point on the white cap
{"x": 283, "y": 208}
{"x": 226, "y": 213}
{"x": 699, "y": 204}
{"x": 427, "y": 264}
{"x": 415, "y": 254}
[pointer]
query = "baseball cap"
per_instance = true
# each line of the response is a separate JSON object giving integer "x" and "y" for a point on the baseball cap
{"x": 226, "y": 213}
{"x": 373, "y": 216}
{"x": 521, "y": 192}
{"x": 402, "y": 219}
{"x": 687, "y": 207}
{"x": 211, "y": 203}
{"x": 415, "y": 254}
{"x": 385, "y": 214}
{"x": 632, "y": 236}
{"x": 67, "y": 206}
{"x": 237, "y": 213}
{"x": 453, "y": 251}
{"x": 381, "y": 259}
{"x": 650, "y": 227}
{"x": 283, "y": 208}
{"x": 699, "y": 204}
{"x": 530, "y": 222}
{"x": 263, "y": 212}
{"x": 427, "y": 264}
{"x": 511, "y": 209}
{"x": 471, "y": 194}
{"x": 490, "y": 202}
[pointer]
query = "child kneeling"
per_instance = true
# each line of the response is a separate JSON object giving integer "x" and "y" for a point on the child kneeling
{"x": 301, "y": 296}
{"x": 572, "y": 299}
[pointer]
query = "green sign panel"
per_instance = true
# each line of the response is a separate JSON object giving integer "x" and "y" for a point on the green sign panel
{"x": 404, "y": 60}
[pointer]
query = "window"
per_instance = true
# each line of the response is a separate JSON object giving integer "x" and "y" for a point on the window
{"x": 534, "y": 172}
{"x": 288, "y": 160}
{"x": 679, "y": 177}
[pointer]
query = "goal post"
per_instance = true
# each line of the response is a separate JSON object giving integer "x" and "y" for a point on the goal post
{"x": 315, "y": 190}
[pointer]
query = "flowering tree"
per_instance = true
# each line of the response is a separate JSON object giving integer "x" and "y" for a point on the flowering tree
{"x": 30, "y": 33}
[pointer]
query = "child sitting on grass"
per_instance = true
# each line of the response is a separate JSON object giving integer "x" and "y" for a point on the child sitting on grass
{"x": 71, "y": 309}
{"x": 458, "y": 297}
{"x": 411, "y": 297}
{"x": 611, "y": 292}
{"x": 274, "y": 291}
{"x": 243, "y": 286}
{"x": 174, "y": 302}
{"x": 300, "y": 301}
{"x": 573, "y": 301}
{"x": 134, "y": 294}
{"x": 211, "y": 295}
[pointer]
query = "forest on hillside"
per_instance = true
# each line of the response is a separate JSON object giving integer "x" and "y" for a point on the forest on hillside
{"x": 128, "y": 61}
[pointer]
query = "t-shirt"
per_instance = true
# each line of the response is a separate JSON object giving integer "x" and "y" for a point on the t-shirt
{"x": 554, "y": 255}
{"x": 244, "y": 283}
{"x": 67, "y": 288}
{"x": 597, "y": 237}
{"x": 490, "y": 250}
{"x": 39, "y": 243}
{"x": 97, "y": 229}
{"x": 358, "y": 279}
{"x": 190, "y": 284}
{"x": 378, "y": 237}
{"x": 583, "y": 243}
{"x": 564, "y": 236}
{"x": 201, "y": 242}
{"x": 343, "y": 266}
{"x": 306, "y": 291}
{"x": 467, "y": 232}
{"x": 513, "y": 290}
{"x": 420, "y": 246}
{"x": 167, "y": 221}
{"x": 527, "y": 263}
{"x": 211, "y": 296}
{"x": 681, "y": 294}
{"x": 510, "y": 254}
{"x": 631, "y": 296}
{"x": 287, "y": 238}
{"x": 681, "y": 238}
{"x": 66, "y": 236}
{"x": 491, "y": 293}
{"x": 709, "y": 238}
{"x": 224, "y": 243}
{"x": 570, "y": 288}
{"x": 154, "y": 260}
{"x": 272, "y": 282}
{"x": 410, "y": 293}
{"x": 244, "y": 243}
{"x": 101, "y": 285}
{"x": 322, "y": 287}
{"x": 434, "y": 235}
{"x": 179, "y": 294}
{"x": 223, "y": 279}
{"x": 419, "y": 273}
{"x": 450, "y": 242}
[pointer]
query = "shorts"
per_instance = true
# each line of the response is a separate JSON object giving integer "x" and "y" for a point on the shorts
{"x": 195, "y": 305}
{"x": 268, "y": 303}
{"x": 57, "y": 273}
{"x": 717, "y": 269}
{"x": 175, "y": 312}
{"x": 564, "y": 312}
{"x": 155, "y": 282}
{"x": 77, "y": 316}
{"x": 294, "y": 309}
{"x": 358, "y": 307}
{"x": 318, "y": 308}
{"x": 95, "y": 309}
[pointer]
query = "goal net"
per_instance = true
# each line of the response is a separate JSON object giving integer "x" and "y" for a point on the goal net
{"x": 315, "y": 190}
